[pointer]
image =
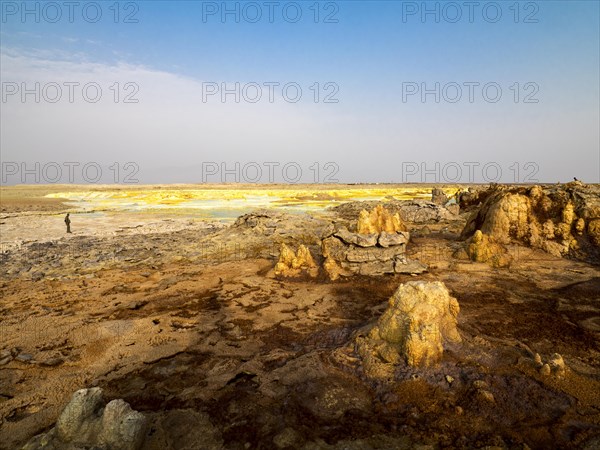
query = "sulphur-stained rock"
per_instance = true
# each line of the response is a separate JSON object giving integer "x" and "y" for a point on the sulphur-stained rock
{"x": 292, "y": 264}
{"x": 334, "y": 270}
{"x": 421, "y": 317}
{"x": 303, "y": 258}
{"x": 379, "y": 219}
{"x": 555, "y": 365}
{"x": 563, "y": 220}
{"x": 288, "y": 257}
{"x": 594, "y": 231}
{"x": 483, "y": 248}
{"x": 545, "y": 370}
{"x": 580, "y": 226}
{"x": 87, "y": 423}
{"x": 484, "y": 395}
{"x": 568, "y": 213}
{"x": 508, "y": 215}
{"x": 548, "y": 230}
{"x": 555, "y": 248}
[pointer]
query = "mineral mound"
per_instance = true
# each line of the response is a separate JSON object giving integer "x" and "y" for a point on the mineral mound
{"x": 420, "y": 318}
{"x": 87, "y": 422}
{"x": 483, "y": 248}
{"x": 563, "y": 220}
{"x": 379, "y": 219}
{"x": 292, "y": 264}
{"x": 377, "y": 247}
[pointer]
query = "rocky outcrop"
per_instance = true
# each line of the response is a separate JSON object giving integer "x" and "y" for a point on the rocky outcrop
{"x": 482, "y": 248}
{"x": 378, "y": 247}
{"x": 555, "y": 365}
{"x": 276, "y": 224}
{"x": 292, "y": 264}
{"x": 593, "y": 230}
{"x": 563, "y": 220}
{"x": 409, "y": 211}
{"x": 254, "y": 235}
{"x": 87, "y": 422}
{"x": 474, "y": 196}
{"x": 438, "y": 196}
{"x": 420, "y": 319}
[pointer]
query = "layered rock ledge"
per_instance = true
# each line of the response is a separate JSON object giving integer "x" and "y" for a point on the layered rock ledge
{"x": 376, "y": 248}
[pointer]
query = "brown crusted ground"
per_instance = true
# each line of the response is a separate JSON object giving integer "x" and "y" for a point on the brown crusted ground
{"x": 211, "y": 339}
{"x": 15, "y": 202}
{"x": 264, "y": 358}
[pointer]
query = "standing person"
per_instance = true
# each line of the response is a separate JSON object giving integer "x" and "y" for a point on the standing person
{"x": 68, "y": 223}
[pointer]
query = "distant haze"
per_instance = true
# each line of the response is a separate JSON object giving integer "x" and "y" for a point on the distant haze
{"x": 362, "y": 122}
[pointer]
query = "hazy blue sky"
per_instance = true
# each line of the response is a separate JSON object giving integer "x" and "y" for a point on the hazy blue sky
{"x": 366, "y": 116}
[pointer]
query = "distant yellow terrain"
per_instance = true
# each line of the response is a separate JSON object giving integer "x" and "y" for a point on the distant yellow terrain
{"x": 186, "y": 198}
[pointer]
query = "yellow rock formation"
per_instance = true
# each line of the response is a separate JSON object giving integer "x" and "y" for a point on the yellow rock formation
{"x": 420, "y": 319}
{"x": 378, "y": 220}
{"x": 483, "y": 248}
{"x": 292, "y": 264}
